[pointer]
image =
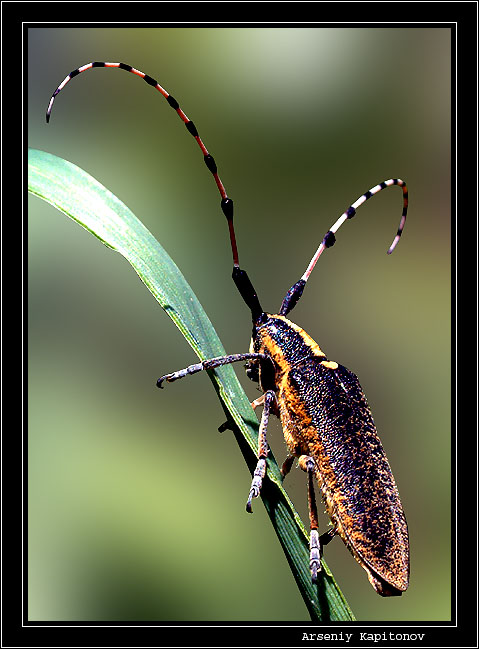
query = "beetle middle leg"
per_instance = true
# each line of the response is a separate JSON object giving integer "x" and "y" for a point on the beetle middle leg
{"x": 260, "y": 470}
{"x": 227, "y": 425}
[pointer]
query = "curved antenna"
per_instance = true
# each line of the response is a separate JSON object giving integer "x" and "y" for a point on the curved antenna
{"x": 329, "y": 239}
{"x": 226, "y": 202}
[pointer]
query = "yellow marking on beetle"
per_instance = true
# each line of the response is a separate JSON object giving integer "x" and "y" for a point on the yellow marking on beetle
{"x": 331, "y": 365}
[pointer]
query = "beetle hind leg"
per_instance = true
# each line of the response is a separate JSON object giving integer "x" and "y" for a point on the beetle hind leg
{"x": 316, "y": 542}
{"x": 315, "y": 549}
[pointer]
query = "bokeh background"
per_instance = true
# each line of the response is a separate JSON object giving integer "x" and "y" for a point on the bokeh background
{"x": 136, "y": 502}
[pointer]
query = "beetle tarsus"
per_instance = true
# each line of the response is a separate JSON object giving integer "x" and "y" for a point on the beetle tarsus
{"x": 159, "y": 383}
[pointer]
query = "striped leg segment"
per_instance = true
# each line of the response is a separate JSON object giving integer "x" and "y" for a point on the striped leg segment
{"x": 260, "y": 470}
{"x": 316, "y": 545}
{"x": 226, "y": 203}
{"x": 329, "y": 239}
{"x": 307, "y": 463}
{"x": 207, "y": 365}
{"x": 314, "y": 555}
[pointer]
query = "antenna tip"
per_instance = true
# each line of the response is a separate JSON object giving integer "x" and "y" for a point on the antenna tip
{"x": 394, "y": 244}
{"x": 50, "y": 106}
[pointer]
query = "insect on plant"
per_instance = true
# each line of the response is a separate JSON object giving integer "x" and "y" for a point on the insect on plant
{"x": 327, "y": 423}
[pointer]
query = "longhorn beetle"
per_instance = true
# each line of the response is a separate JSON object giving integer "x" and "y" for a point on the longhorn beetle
{"x": 327, "y": 423}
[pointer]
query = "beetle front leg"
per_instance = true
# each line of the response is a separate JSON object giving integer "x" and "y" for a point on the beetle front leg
{"x": 260, "y": 470}
{"x": 209, "y": 364}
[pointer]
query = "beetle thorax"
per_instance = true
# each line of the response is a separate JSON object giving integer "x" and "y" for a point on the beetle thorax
{"x": 285, "y": 342}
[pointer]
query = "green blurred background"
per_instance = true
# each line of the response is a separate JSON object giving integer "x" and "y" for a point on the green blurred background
{"x": 136, "y": 502}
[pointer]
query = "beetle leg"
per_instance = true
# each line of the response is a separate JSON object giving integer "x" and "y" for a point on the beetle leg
{"x": 287, "y": 464}
{"x": 315, "y": 548}
{"x": 254, "y": 404}
{"x": 260, "y": 470}
{"x": 258, "y": 402}
{"x": 209, "y": 364}
{"x": 225, "y": 426}
{"x": 315, "y": 541}
{"x": 326, "y": 537}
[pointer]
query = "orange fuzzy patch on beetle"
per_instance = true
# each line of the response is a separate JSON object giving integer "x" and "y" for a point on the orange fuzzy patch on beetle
{"x": 296, "y": 423}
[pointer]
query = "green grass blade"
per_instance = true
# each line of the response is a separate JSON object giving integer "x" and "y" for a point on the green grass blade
{"x": 86, "y": 201}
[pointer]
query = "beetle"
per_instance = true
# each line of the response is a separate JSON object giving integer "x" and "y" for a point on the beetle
{"x": 325, "y": 417}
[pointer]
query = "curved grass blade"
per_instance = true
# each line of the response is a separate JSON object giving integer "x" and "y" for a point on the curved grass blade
{"x": 75, "y": 193}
